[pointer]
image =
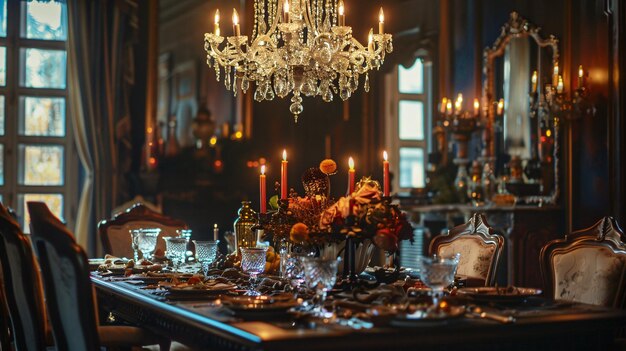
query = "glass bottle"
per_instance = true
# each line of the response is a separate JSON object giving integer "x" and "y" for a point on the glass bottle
{"x": 244, "y": 234}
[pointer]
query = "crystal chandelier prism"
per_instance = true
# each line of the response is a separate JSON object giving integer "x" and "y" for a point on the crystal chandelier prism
{"x": 298, "y": 47}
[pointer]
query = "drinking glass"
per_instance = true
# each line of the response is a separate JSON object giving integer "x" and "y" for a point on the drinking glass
{"x": 253, "y": 263}
{"x": 146, "y": 240}
{"x": 134, "y": 243}
{"x": 206, "y": 251}
{"x": 293, "y": 268}
{"x": 320, "y": 275}
{"x": 176, "y": 249}
{"x": 438, "y": 273}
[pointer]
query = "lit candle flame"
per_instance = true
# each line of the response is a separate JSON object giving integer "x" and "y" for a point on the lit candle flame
{"x": 351, "y": 163}
{"x": 217, "y": 16}
{"x": 449, "y": 106}
{"x": 385, "y": 155}
{"x": 534, "y": 78}
{"x": 559, "y": 86}
{"x": 580, "y": 71}
{"x": 476, "y": 104}
{"x": 556, "y": 69}
{"x": 341, "y": 8}
{"x": 284, "y": 155}
{"x": 263, "y": 169}
{"x": 235, "y": 17}
{"x": 381, "y": 16}
{"x": 459, "y": 98}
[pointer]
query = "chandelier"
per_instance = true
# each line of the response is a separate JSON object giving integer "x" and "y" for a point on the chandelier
{"x": 298, "y": 47}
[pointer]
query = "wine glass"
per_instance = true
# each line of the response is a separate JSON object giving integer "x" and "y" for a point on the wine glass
{"x": 438, "y": 273}
{"x": 134, "y": 243}
{"x": 176, "y": 250}
{"x": 147, "y": 240}
{"x": 206, "y": 251}
{"x": 253, "y": 263}
{"x": 321, "y": 275}
{"x": 293, "y": 268}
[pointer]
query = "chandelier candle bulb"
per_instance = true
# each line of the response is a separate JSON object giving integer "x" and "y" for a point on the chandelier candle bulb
{"x": 534, "y": 81}
{"x": 386, "y": 180}
{"x": 351, "y": 174}
{"x": 286, "y": 11}
{"x": 263, "y": 190}
{"x": 559, "y": 86}
{"x": 580, "y": 76}
{"x": 381, "y": 21}
{"x": 459, "y": 103}
{"x": 236, "y": 28}
{"x": 283, "y": 177}
{"x": 216, "y": 232}
{"x": 342, "y": 13}
{"x": 555, "y": 75}
{"x": 216, "y": 24}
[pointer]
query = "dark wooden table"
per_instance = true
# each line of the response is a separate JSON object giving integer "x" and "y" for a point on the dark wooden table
{"x": 197, "y": 324}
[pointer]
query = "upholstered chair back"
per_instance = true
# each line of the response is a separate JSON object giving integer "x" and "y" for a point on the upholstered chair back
{"x": 115, "y": 232}
{"x": 587, "y": 266}
{"x": 478, "y": 245}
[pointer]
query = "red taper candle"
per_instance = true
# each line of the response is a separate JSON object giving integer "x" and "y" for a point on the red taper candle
{"x": 283, "y": 177}
{"x": 386, "y": 184}
{"x": 262, "y": 186}
{"x": 351, "y": 176}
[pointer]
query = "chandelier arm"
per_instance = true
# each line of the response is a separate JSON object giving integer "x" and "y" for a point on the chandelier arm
{"x": 307, "y": 18}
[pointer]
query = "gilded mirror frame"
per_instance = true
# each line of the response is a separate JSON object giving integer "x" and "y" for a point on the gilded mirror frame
{"x": 516, "y": 27}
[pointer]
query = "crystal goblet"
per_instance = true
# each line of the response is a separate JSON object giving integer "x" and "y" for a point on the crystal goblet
{"x": 320, "y": 275}
{"x": 253, "y": 263}
{"x": 438, "y": 273}
{"x": 176, "y": 250}
{"x": 146, "y": 240}
{"x": 206, "y": 251}
{"x": 293, "y": 268}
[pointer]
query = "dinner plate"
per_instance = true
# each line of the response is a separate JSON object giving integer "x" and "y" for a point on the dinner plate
{"x": 425, "y": 317}
{"x": 218, "y": 288}
{"x": 258, "y": 307}
{"x": 498, "y": 294}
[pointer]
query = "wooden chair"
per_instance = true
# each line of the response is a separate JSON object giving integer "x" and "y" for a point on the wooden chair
{"x": 587, "y": 265}
{"x": 479, "y": 246}
{"x": 22, "y": 286}
{"x": 69, "y": 292}
{"x": 115, "y": 232}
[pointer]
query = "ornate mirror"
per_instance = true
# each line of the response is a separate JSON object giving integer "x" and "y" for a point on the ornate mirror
{"x": 518, "y": 131}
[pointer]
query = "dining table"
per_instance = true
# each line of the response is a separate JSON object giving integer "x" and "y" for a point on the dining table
{"x": 204, "y": 324}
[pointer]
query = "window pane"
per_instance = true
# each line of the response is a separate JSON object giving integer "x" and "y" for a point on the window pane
{"x": 45, "y": 20}
{"x": 1, "y": 164}
{"x": 411, "y": 167}
{"x": 411, "y": 80}
{"x": 42, "y": 116}
{"x": 3, "y": 65}
{"x": 42, "y": 68}
{"x": 42, "y": 165}
{"x": 1, "y": 114}
{"x": 54, "y": 202}
{"x": 3, "y": 18}
{"x": 411, "y": 114}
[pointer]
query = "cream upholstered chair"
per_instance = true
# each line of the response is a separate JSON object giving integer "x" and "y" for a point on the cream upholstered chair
{"x": 115, "y": 232}
{"x": 479, "y": 246}
{"x": 587, "y": 265}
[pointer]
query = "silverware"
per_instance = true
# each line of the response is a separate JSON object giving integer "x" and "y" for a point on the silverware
{"x": 478, "y": 312}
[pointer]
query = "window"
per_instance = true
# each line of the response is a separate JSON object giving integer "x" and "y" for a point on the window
{"x": 408, "y": 124}
{"x": 37, "y": 157}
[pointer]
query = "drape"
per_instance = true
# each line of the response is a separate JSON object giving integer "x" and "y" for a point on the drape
{"x": 96, "y": 50}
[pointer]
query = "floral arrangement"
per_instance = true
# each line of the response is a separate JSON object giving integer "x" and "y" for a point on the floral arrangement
{"x": 316, "y": 219}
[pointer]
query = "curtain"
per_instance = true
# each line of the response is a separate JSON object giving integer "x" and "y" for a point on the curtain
{"x": 98, "y": 33}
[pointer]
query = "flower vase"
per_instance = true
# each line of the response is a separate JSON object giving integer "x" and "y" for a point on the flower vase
{"x": 363, "y": 253}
